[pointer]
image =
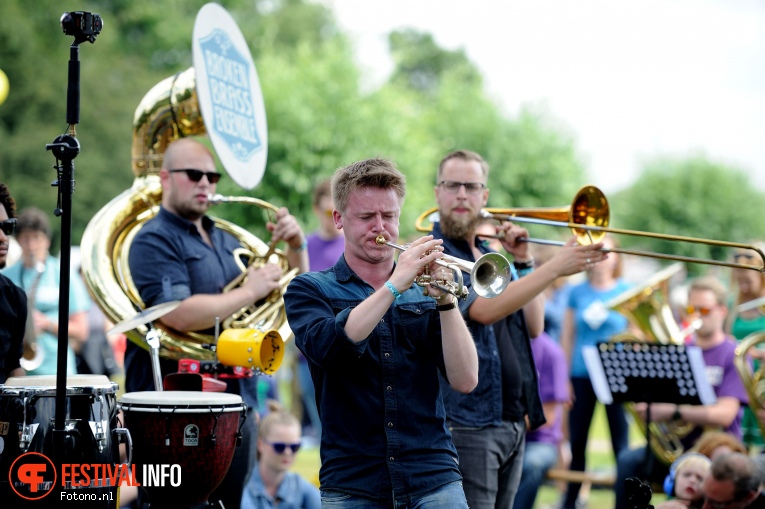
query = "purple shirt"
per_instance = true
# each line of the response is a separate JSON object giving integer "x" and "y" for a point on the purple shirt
{"x": 724, "y": 379}
{"x": 553, "y": 385}
{"x": 322, "y": 253}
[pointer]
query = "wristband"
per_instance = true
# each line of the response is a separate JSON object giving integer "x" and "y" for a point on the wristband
{"x": 519, "y": 266}
{"x": 302, "y": 246}
{"x": 392, "y": 289}
{"x": 525, "y": 272}
{"x": 446, "y": 307}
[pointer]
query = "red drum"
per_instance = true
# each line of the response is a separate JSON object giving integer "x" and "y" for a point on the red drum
{"x": 196, "y": 430}
{"x": 27, "y": 421}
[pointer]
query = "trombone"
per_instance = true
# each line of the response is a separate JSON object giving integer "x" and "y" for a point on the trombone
{"x": 490, "y": 274}
{"x": 588, "y": 218}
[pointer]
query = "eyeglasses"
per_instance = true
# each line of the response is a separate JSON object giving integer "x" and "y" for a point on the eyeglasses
{"x": 453, "y": 187}
{"x": 702, "y": 311}
{"x": 196, "y": 175}
{"x": 280, "y": 447}
{"x": 8, "y": 226}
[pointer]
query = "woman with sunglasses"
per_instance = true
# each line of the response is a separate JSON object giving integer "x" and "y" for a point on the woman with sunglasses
{"x": 749, "y": 285}
{"x": 271, "y": 483}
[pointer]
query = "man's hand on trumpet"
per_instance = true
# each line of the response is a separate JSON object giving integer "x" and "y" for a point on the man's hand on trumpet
{"x": 413, "y": 261}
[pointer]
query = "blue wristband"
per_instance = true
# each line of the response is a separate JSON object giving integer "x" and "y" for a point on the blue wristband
{"x": 525, "y": 272}
{"x": 392, "y": 289}
{"x": 302, "y": 246}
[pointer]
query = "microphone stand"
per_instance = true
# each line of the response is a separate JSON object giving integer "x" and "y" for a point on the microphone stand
{"x": 65, "y": 148}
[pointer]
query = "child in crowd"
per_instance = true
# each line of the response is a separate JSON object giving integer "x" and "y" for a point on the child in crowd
{"x": 685, "y": 477}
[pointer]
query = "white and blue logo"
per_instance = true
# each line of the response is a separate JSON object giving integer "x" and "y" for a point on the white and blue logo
{"x": 228, "y": 80}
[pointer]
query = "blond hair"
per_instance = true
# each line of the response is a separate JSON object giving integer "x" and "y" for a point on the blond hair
{"x": 376, "y": 173}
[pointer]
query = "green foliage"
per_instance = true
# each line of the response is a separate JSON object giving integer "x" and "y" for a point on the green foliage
{"x": 692, "y": 197}
{"x": 318, "y": 117}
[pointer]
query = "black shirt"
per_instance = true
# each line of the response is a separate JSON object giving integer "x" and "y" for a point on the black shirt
{"x": 13, "y": 319}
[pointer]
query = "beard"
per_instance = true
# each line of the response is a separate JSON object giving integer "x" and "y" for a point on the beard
{"x": 458, "y": 228}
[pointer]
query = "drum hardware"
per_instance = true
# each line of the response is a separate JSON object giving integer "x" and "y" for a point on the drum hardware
{"x": 146, "y": 316}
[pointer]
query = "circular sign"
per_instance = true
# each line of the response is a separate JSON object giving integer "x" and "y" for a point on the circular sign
{"x": 229, "y": 95}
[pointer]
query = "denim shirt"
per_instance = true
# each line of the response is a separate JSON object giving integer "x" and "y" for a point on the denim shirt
{"x": 383, "y": 421}
{"x": 294, "y": 492}
{"x": 483, "y": 406}
{"x": 170, "y": 261}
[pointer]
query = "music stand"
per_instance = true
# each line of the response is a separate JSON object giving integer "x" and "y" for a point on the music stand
{"x": 637, "y": 372}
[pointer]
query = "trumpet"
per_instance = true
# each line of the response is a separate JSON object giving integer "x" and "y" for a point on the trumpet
{"x": 490, "y": 274}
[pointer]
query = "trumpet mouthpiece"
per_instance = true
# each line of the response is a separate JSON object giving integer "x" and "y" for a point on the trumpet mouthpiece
{"x": 380, "y": 240}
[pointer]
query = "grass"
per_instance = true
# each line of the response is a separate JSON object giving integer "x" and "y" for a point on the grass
{"x": 599, "y": 458}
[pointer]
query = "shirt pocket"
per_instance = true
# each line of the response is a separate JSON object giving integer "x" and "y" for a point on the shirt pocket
{"x": 201, "y": 273}
{"x": 416, "y": 320}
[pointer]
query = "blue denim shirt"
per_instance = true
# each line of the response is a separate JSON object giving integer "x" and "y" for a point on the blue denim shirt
{"x": 169, "y": 261}
{"x": 293, "y": 493}
{"x": 483, "y": 406}
{"x": 383, "y": 421}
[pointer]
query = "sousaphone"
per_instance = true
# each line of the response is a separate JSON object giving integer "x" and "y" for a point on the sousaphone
{"x": 219, "y": 97}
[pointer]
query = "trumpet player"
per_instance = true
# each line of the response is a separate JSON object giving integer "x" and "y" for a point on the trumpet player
{"x": 13, "y": 301}
{"x": 489, "y": 424}
{"x": 375, "y": 346}
{"x": 181, "y": 255}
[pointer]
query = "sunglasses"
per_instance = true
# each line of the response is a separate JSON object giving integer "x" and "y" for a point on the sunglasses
{"x": 702, "y": 311}
{"x": 453, "y": 187}
{"x": 8, "y": 226}
{"x": 196, "y": 175}
{"x": 280, "y": 447}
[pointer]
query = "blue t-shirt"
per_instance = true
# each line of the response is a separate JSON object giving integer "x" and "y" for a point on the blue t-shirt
{"x": 46, "y": 301}
{"x": 593, "y": 322}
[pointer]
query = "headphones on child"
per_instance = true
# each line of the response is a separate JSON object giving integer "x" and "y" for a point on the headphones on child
{"x": 669, "y": 481}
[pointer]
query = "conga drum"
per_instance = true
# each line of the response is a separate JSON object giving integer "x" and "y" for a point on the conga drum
{"x": 27, "y": 422}
{"x": 197, "y": 431}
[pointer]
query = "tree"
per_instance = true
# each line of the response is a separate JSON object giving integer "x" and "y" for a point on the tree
{"x": 692, "y": 197}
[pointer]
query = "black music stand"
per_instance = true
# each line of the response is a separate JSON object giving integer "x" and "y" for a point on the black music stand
{"x": 636, "y": 372}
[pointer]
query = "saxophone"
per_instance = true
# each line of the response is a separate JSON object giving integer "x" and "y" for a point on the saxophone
{"x": 33, "y": 355}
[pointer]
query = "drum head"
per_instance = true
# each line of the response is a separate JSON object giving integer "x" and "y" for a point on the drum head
{"x": 153, "y": 401}
{"x": 49, "y": 381}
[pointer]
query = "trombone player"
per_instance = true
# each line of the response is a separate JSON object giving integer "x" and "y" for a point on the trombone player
{"x": 181, "y": 255}
{"x": 489, "y": 424}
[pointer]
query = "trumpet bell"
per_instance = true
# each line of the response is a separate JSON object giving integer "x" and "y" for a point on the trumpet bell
{"x": 490, "y": 275}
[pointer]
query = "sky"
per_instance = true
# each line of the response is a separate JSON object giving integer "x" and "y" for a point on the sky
{"x": 628, "y": 79}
